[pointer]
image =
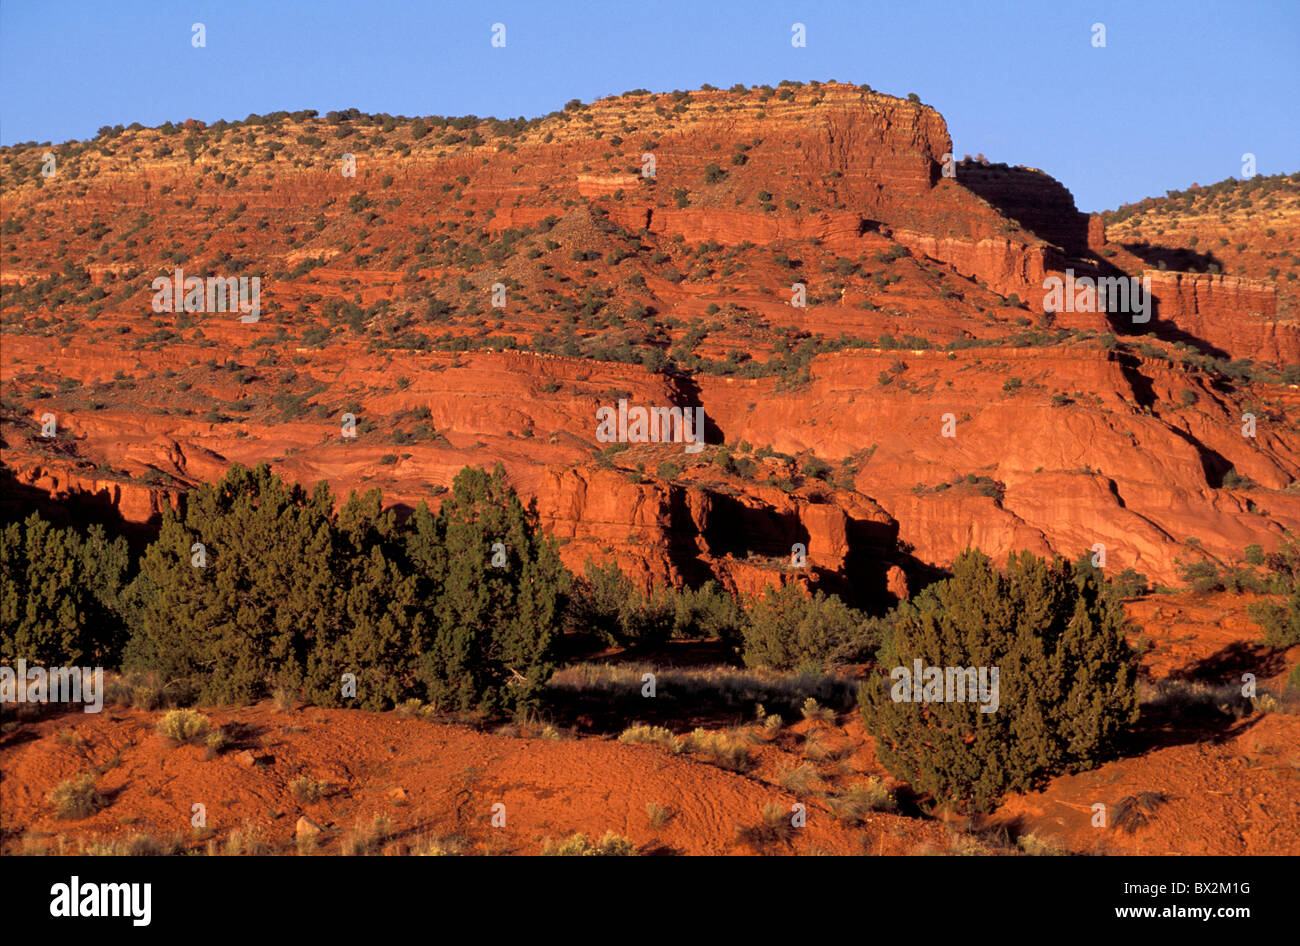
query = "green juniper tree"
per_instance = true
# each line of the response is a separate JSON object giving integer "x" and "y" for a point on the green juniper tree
{"x": 256, "y": 584}
{"x": 1066, "y": 684}
{"x": 378, "y": 625}
{"x": 497, "y": 592}
{"x": 237, "y": 587}
{"x": 789, "y": 629}
{"x": 59, "y": 594}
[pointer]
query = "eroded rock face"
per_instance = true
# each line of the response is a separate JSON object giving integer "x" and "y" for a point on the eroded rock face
{"x": 1057, "y": 444}
{"x": 1006, "y": 265}
{"x": 1035, "y": 200}
{"x": 1235, "y": 315}
{"x": 132, "y": 501}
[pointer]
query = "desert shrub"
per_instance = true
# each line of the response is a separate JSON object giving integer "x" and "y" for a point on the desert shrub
{"x": 1130, "y": 583}
{"x": 815, "y": 712}
{"x": 817, "y": 468}
{"x": 1280, "y": 574}
{"x": 1035, "y": 846}
{"x": 668, "y": 470}
{"x": 726, "y": 750}
{"x": 651, "y": 735}
{"x": 1066, "y": 684}
{"x": 440, "y": 846}
{"x": 1202, "y": 576}
{"x": 707, "y": 612}
{"x": 1280, "y": 622}
{"x": 214, "y": 743}
{"x": 306, "y": 789}
{"x": 577, "y": 845}
{"x": 1284, "y": 564}
{"x": 603, "y": 602}
{"x": 801, "y": 779}
{"x": 607, "y": 603}
{"x": 77, "y": 797}
{"x": 1127, "y": 584}
{"x": 183, "y": 726}
{"x": 775, "y": 827}
{"x": 862, "y": 798}
{"x": 138, "y": 845}
{"x": 788, "y": 629}
{"x": 1133, "y": 811}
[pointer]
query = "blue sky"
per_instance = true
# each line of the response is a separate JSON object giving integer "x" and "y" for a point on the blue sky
{"x": 1178, "y": 94}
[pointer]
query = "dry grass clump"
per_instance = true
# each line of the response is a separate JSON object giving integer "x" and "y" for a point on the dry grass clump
{"x": 138, "y": 845}
{"x": 77, "y": 797}
{"x": 651, "y": 735}
{"x": 771, "y": 723}
{"x": 815, "y": 748}
{"x": 528, "y": 725}
{"x": 658, "y": 815}
{"x": 714, "y": 687}
{"x": 802, "y": 779}
{"x": 1266, "y": 703}
{"x": 144, "y": 691}
{"x": 408, "y": 708}
{"x": 414, "y": 709}
{"x": 367, "y": 838}
{"x": 776, "y": 826}
{"x": 248, "y": 841}
{"x": 961, "y": 844}
{"x": 183, "y": 726}
{"x": 1035, "y": 846}
{"x": 861, "y": 799}
{"x": 214, "y": 743}
{"x": 577, "y": 845}
{"x": 726, "y": 750}
{"x": 306, "y": 789}
{"x": 436, "y": 845}
{"x": 814, "y": 711}
{"x": 1133, "y": 811}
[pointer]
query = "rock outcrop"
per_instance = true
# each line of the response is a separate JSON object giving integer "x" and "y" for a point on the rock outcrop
{"x": 677, "y": 289}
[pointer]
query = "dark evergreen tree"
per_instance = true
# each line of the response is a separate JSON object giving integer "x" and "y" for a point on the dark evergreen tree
{"x": 789, "y": 629}
{"x": 238, "y": 621}
{"x": 377, "y": 625}
{"x": 1066, "y": 681}
{"x": 603, "y": 603}
{"x": 60, "y": 594}
{"x": 497, "y": 593}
